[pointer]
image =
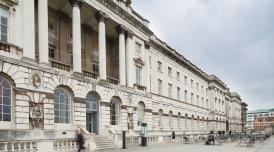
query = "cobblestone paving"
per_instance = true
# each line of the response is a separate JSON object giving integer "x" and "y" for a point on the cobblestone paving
{"x": 267, "y": 146}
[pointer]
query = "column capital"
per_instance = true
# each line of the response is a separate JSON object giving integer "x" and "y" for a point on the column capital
{"x": 121, "y": 29}
{"x": 101, "y": 16}
{"x": 129, "y": 33}
{"x": 147, "y": 45}
{"x": 78, "y": 3}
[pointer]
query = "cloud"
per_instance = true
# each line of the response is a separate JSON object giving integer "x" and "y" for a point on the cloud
{"x": 233, "y": 39}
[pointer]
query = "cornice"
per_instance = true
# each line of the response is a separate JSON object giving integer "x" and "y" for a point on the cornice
{"x": 179, "y": 59}
{"x": 9, "y": 2}
{"x": 126, "y": 16}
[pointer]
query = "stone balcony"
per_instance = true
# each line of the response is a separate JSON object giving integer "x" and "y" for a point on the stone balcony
{"x": 10, "y": 50}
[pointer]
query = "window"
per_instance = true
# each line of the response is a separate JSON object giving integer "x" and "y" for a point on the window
{"x": 185, "y": 96}
{"x": 178, "y": 93}
{"x": 170, "y": 120}
{"x": 4, "y": 14}
{"x": 185, "y": 80}
{"x": 70, "y": 56}
{"x": 160, "y": 117}
{"x": 138, "y": 75}
{"x": 202, "y": 89}
{"x": 95, "y": 60}
{"x": 198, "y": 102}
{"x": 191, "y": 98}
{"x": 178, "y": 76}
{"x": 62, "y": 105}
{"x": 206, "y": 103}
{"x": 191, "y": 83}
{"x": 160, "y": 83}
{"x": 114, "y": 111}
{"x": 197, "y": 86}
{"x": 179, "y": 120}
{"x": 52, "y": 24}
{"x": 202, "y": 102}
{"x": 170, "y": 90}
{"x": 138, "y": 47}
{"x": 5, "y": 99}
{"x": 159, "y": 66}
{"x": 52, "y": 49}
{"x": 141, "y": 113}
{"x": 170, "y": 71}
{"x": 150, "y": 62}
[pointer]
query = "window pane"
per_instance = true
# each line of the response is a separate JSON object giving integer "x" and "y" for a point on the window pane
{"x": 1, "y": 116}
{"x": 4, "y": 38}
{"x": 6, "y": 109}
{"x": 6, "y": 101}
{"x": 6, "y": 117}
{"x": 6, "y": 92}
{"x": 4, "y": 29}
{"x": 4, "y": 20}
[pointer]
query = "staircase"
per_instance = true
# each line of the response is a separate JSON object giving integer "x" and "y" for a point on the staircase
{"x": 103, "y": 143}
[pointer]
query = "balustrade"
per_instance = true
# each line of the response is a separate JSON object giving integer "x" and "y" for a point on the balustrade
{"x": 60, "y": 65}
{"x": 113, "y": 80}
{"x": 18, "y": 146}
{"x": 89, "y": 74}
{"x": 65, "y": 145}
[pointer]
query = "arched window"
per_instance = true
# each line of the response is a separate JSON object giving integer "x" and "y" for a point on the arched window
{"x": 141, "y": 113}
{"x": 170, "y": 120}
{"x": 160, "y": 117}
{"x": 179, "y": 120}
{"x": 62, "y": 106}
{"x": 114, "y": 111}
{"x": 5, "y": 99}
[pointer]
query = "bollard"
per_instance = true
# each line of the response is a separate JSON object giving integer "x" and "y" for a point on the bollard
{"x": 124, "y": 139}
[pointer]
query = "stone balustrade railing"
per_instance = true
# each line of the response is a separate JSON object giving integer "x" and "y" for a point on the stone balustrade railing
{"x": 89, "y": 74}
{"x": 65, "y": 145}
{"x": 10, "y": 50}
{"x": 113, "y": 80}
{"x": 18, "y": 146}
{"x": 60, "y": 65}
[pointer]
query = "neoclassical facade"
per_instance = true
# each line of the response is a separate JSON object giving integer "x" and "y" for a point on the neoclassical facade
{"x": 96, "y": 64}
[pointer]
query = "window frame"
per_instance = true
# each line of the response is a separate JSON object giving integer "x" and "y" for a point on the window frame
{"x": 69, "y": 106}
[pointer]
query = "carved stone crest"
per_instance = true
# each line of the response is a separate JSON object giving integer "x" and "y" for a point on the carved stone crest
{"x": 36, "y": 80}
{"x": 36, "y": 115}
{"x": 130, "y": 121}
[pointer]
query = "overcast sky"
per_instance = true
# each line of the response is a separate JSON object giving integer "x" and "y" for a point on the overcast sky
{"x": 234, "y": 39}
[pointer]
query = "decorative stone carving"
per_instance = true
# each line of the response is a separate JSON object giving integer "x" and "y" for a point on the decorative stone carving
{"x": 129, "y": 33}
{"x": 36, "y": 115}
{"x": 36, "y": 80}
{"x": 130, "y": 121}
{"x": 121, "y": 29}
{"x": 128, "y": 2}
{"x": 101, "y": 16}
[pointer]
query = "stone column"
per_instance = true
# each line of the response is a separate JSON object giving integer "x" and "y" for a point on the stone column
{"x": 129, "y": 59}
{"x": 122, "y": 54}
{"x": 28, "y": 31}
{"x": 76, "y": 36}
{"x": 43, "y": 31}
{"x": 101, "y": 18}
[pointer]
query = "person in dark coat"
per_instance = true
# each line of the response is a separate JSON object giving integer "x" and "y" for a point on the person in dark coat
{"x": 173, "y": 135}
{"x": 80, "y": 139}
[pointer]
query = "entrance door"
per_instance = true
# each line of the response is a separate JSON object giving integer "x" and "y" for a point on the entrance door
{"x": 92, "y": 116}
{"x": 92, "y": 122}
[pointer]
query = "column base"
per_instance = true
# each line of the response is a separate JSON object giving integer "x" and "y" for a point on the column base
{"x": 28, "y": 60}
{"x": 45, "y": 65}
{"x": 78, "y": 75}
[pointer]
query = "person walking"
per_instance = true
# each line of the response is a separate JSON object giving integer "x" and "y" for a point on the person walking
{"x": 173, "y": 136}
{"x": 80, "y": 139}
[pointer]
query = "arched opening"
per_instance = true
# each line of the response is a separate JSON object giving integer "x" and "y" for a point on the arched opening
{"x": 6, "y": 95}
{"x": 160, "y": 117}
{"x": 115, "y": 109}
{"x": 170, "y": 120}
{"x": 92, "y": 112}
{"x": 62, "y": 105}
{"x": 141, "y": 113}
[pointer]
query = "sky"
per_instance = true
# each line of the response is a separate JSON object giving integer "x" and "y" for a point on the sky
{"x": 233, "y": 39}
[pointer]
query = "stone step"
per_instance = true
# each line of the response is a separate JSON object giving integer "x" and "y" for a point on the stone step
{"x": 103, "y": 143}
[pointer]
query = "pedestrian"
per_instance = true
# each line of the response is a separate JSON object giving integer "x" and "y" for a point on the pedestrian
{"x": 80, "y": 139}
{"x": 173, "y": 135}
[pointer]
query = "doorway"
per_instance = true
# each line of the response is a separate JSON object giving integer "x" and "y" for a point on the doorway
{"x": 92, "y": 113}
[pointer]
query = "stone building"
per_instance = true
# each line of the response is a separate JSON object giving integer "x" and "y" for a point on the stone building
{"x": 96, "y": 64}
